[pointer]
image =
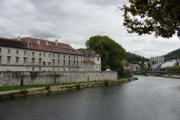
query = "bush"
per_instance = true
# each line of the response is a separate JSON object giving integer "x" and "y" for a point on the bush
{"x": 106, "y": 83}
{"x": 173, "y": 69}
{"x": 78, "y": 86}
{"x": 48, "y": 87}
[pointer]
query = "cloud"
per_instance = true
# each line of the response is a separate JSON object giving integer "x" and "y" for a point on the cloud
{"x": 74, "y": 22}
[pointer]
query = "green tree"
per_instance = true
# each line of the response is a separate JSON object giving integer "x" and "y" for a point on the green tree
{"x": 161, "y": 17}
{"x": 111, "y": 52}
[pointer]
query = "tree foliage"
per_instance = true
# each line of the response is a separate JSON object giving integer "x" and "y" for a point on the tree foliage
{"x": 111, "y": 52}
{"x": 161, "y": 17}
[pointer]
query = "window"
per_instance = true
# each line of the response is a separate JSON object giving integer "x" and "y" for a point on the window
{"x": 49, "y": 63}
{"x": 69, "y": 57}
{"x": 8, "y": 59}
{"x": 17, "y": 52}
{"x": 77, "y": 63}
{"x": 40, "y": 60}
{"x": 17, "y": 59}
{"x": 53, "y": 61}
{"x": 53, "y": 54}
{"x": 64, "y": 62}
{"x": 9, "y": 51}
{"x": 44, "y": 54}
{"x": 98, "y": 58}
{"x": 69, "y": 62}
{"x": 74, "y": 63}
{"x": 25, "y": 60}
{"x": 0, "y": 50}
{"x": 24, "y": 52}
{"x": 58, "y": 55}
{"x": 44, "y": 63}
{"x": 64, "y": 56}
{"x": 40, "y": 54}
{"x": 58, "y": 61}
{"x": 33, "y": 60}
{"x": 39, "y": 68}
{"x": 49, "y": 55}
{"x": 33, "y": 53}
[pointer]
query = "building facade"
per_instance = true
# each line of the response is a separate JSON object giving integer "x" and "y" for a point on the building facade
{"x": 91, "y": 60}
{"x": 30, "y": 54}
{"x": 157, "y": 60}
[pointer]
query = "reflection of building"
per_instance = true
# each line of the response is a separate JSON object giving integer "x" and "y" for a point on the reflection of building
{"x": 91, "y": 60}
{"x": 29, "y": 54}
{"x": 157, "y": 60}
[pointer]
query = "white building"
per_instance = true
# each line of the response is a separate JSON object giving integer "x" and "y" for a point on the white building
{"x": 30, "y": 54}
{"x": 135, "y": 68}
{"x": 170, "y": 63}
{"x": 91, "y": 60}
{"x": 157, "y": 60}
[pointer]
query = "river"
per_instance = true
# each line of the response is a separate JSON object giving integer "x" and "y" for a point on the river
{"x": 149, "y": 98}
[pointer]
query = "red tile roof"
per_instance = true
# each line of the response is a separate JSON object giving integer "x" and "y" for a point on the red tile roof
{"x": 39, "y": 44}
{"x": 12, "y": 43}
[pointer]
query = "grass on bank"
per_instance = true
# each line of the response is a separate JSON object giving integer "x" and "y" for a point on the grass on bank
{"x": 9, "y": 88}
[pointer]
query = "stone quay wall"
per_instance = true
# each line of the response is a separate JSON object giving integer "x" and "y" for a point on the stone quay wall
{"x": 33, "y": 78}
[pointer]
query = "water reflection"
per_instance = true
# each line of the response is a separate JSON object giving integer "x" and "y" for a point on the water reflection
{"x": 149, "y": 98}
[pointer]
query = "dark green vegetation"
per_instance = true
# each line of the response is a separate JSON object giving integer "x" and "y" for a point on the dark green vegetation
{"x": 161, "y": 17}
{"x": 111, "y": 52}
{"x": 172, "y": 69}
{"x": 134, "y": 59}
{"x": 47, "y": 86}
{"x": 172, "y": 55}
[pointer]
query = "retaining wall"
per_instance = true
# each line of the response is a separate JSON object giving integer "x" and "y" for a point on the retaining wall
{"x": 32, "y": 78}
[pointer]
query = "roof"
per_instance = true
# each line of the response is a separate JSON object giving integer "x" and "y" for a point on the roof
{"x": 5, "y": 42}
{"x": 88, "y": 53}
{"x": 39, "y": 44}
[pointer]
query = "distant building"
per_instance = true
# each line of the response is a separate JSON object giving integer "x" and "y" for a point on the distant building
{"x": 157, "y": 60}
{"x": 156, "y": 67}
{"x": 135, "y": 68}
{"x": 127, "y": 66}
{"x": 91, "y": 60}
{"x": 170, "y": 63}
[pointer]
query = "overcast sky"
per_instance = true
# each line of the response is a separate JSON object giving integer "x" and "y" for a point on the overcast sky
{"x": 74, "y": 21}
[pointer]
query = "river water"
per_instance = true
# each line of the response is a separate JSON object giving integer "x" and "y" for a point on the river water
{"x": 149, "y": 98}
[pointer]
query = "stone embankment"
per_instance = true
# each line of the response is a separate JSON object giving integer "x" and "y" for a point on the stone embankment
{"x": 60, "y": 88}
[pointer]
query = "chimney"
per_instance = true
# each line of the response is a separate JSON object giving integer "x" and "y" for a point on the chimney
{"x": 19, "y": 38}
{"x": 56, "y": 42}
{"x": 38, "y": 42}
{"x": 47, "y": 44}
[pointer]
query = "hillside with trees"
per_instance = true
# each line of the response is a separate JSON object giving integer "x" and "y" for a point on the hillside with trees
{"x": 172, "y": 55}
{"x": 134, "y": 59}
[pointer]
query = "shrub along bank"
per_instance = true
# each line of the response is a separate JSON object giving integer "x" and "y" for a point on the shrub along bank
{"x": 173, "y": 69}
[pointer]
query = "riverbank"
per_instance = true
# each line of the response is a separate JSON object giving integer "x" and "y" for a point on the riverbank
{"x": 18, "y": 91}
